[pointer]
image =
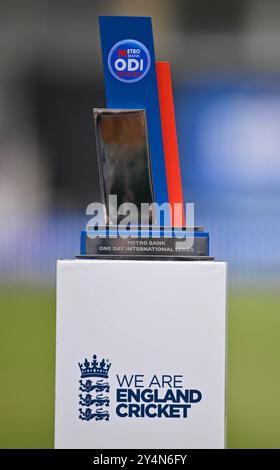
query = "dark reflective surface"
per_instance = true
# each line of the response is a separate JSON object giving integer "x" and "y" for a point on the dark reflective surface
{"x": 123, "y": 157}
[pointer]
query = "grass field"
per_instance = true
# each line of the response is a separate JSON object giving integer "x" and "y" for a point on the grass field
{"x": 27, "y": 358}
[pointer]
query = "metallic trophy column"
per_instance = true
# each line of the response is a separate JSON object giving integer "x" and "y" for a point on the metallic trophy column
{"x": 124, "y": 160}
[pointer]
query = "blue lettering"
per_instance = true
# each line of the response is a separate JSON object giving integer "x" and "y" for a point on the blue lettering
{"x": 178, "y": 381}
{"x": 194, "y": 399}
{"x": 125, "y": 381}
{"x": 119, "y": 413}
{"x": 121, "y": 394}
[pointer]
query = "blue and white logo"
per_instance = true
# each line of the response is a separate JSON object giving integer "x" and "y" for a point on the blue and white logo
{"x": 94, "y": 392}
{"x": 129, "y": 61}
{"x": 155, "y": 396}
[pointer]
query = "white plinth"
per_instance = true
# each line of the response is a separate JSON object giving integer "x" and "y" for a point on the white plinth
{"x": 162, "y": 325}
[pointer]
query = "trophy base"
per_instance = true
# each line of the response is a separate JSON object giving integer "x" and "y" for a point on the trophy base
{"x": 145, "y": 243}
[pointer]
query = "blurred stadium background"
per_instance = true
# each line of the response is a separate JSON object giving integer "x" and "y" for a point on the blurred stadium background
{"x": 225, "y": 60}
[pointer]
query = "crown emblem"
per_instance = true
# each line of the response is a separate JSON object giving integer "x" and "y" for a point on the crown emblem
{"x": 95, "y": 368}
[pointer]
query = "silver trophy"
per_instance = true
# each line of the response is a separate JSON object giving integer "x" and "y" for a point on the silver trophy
{"x": 124, "y": 160}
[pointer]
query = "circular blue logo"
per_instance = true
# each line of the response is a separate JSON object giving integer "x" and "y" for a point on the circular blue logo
{"x": 129, "y": 61}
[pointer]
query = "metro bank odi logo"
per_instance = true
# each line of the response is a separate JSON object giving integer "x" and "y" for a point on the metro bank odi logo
{"x": 129, "y": 61}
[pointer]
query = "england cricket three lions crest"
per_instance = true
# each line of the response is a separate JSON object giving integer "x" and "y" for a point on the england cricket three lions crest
{"x": 94, "y": 387}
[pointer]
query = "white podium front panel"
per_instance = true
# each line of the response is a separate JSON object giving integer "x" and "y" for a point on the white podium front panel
{"x": 140, "y": 354}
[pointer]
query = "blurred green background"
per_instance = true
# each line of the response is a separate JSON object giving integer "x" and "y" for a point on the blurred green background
{"x": 27, "y": 352}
